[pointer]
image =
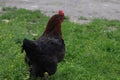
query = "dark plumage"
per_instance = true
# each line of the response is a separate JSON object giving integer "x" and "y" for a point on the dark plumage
{"x": 43, "y": 54}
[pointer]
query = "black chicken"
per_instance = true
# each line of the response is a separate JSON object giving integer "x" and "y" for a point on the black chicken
{"x": 44, "y": 54}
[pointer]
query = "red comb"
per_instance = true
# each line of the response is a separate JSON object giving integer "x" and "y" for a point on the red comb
{"x": 60, "y": 12}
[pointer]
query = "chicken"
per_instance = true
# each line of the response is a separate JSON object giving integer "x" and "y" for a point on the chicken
{"x": 44, "y": 54}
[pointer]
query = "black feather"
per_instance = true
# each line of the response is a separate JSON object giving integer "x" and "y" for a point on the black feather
{"x": 44, "y": 54}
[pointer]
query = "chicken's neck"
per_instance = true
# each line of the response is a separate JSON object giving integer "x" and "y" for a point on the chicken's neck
{"x": 53, "y": 30}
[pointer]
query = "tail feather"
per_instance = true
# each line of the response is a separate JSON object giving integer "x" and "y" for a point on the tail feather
{"x": 28, "y": 44}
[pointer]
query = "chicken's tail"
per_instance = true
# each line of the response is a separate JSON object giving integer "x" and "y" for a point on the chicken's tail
{"x": 28, "y": 44}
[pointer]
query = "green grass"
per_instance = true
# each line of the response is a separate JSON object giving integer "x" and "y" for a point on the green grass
{"x": 92, "y": 50}
{"x": 82, "y": 18}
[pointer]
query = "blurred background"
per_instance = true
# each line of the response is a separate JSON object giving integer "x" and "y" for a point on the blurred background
{"x": 80, "y": 11}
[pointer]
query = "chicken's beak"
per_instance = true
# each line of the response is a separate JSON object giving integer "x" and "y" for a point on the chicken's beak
{"x": 64, "y": 17}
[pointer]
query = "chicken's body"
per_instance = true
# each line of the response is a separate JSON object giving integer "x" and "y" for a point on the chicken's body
{"x": 52, "y": 46}
{"x": 43, "y": 54}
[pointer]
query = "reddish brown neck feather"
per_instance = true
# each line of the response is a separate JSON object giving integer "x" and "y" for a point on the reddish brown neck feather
{"x": 53, "y": 27}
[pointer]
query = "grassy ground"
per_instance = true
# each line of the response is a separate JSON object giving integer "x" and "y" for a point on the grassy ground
{"x": 93, "y": 50}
